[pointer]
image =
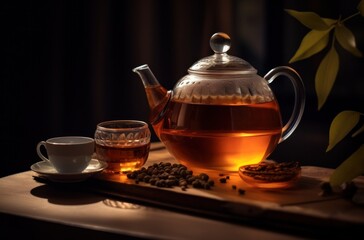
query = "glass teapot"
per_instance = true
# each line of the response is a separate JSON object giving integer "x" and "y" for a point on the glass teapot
{"x": 221, "y": 115}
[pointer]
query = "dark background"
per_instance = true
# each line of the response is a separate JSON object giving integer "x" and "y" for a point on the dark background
{"x": 67, "y": 65}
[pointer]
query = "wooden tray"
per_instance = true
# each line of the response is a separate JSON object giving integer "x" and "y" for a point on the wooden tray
{"x": 299, "y": 209}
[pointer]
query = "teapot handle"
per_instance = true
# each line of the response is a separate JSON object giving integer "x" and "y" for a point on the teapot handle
{"x": 300, "y": 97}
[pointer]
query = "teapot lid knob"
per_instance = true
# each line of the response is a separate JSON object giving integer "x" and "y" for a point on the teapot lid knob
{"x": 221, "y": 63}
{"x": 220, "y": 42}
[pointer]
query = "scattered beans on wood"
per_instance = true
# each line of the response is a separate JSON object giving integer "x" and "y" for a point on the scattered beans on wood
{"x": 241, "y": 191}
{"x": 222, "y": 180}
{"x": 326, "y": 189}
{"x": 347, "y": 190}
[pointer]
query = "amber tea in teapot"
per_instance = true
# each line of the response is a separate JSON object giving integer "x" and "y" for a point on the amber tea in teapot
{"x": 221, "y": 136}
{"x": 222, "y": 115}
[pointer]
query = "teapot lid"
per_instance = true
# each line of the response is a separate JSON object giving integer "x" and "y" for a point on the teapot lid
{"x": 221, "y": 62}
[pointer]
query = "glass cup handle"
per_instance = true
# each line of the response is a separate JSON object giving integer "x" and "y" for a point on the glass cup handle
{"x": 39, "y": 145}
{"x": 300, "y": 97}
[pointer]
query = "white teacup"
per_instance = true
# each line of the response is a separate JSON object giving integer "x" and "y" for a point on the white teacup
{"x": 68, "y": 154}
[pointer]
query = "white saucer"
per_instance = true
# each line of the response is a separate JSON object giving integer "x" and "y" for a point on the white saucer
{"x": 45, "y": 169}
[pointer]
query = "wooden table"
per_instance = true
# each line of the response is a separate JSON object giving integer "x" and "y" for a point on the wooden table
{"x": 112, "y": 207}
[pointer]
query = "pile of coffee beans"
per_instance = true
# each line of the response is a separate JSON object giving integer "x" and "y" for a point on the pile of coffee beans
{"x": 166, "y": 174}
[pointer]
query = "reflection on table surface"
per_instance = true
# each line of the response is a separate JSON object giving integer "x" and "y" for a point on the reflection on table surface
{"x": 63, "y": 210}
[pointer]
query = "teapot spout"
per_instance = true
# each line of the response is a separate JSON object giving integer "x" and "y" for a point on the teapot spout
{"x": 146, "y": 75}
{"x": 157, "y": 96}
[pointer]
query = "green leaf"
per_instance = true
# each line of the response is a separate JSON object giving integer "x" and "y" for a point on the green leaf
{"x": 312, "y": 43}
{"x": 357, "y": 132}
{"x": 346, "y": 39}
{"x": 342, "y": 124}
{"x": 309, "y": 19}
{"x": 351, "y": 168}
{"x": 326, "y": 75}
{"x": 330, "y": 21}
{"x": 361, "y": 7}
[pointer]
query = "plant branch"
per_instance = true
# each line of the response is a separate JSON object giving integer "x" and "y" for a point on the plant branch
{"x": 351, "y": 16}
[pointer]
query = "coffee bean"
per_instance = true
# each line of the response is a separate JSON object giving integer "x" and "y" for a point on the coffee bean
{"x": 241, "y": 191}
